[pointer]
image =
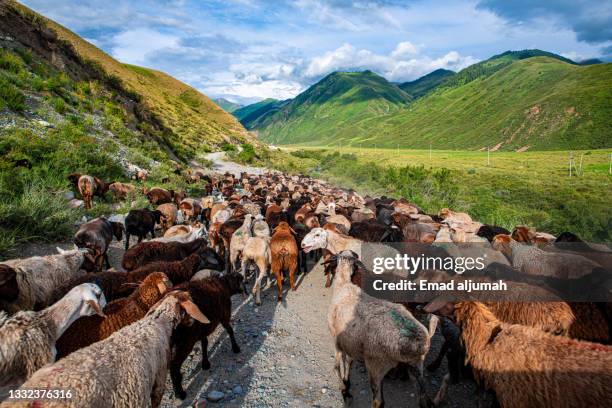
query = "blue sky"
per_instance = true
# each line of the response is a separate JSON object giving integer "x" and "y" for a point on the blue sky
{"x": 246, "y": 50}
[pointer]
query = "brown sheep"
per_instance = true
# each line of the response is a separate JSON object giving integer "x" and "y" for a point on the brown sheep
{"x": 527, "y": 367}
{"x": 146, "y": 252}
{"x": 91, "y": 186}
{"x": 213, "y": 296}
{"x": 119, "y": 313}
{"x": 284, "y": 251}
{"x": 121, "y": 190}
{"x": 190, "y": 208}
{"x": 97, "y": 235}
{"x": 74, "y": 180}
{"x": 157, "y": 195}
{"x": 169, "y": 213}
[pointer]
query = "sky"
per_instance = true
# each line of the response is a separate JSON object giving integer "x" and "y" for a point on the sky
{"x": 247, "y": 50}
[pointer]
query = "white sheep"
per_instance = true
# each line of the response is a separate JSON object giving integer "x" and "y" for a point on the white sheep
{"x": 239, "y": 239}
{"x": 260, "y": 227}
{"x": 34, "y": 279}
{"x": 27, "y": 339}
{"x": 257, "y": 251}
{"x": 127, "y": 369}
{"x": 378, "y": 332}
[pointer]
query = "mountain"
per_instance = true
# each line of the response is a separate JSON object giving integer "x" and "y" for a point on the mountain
{"x": 333, "y": 108}
{"x": 179, "y": 117}
{"x": 226, "y": 105}
{"x": 252, "y": 115}
{"x": 424, "y": 84}
{"x": 508, "y": 102}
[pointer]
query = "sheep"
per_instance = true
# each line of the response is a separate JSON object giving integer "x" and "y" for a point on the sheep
{"x": 372, "y": 231}
{"x": 28, "y": 283}
{"x": 157, "y": 196}
{"x": 534, "y": 261}
{"x": 127, "y": 369}
{"x": 187, "y": 234}
{"x": 284, "y": 252}
{"x": 145, "y": 252}
{"x": 91, "y": 186}
{"x": 168, "y": 215}
{"x": 257, "y": 250}
{"x": 380, "y": 333}
{"x": 527, "y": 367}
{"x": 27, "y": 339}
{"x": 190, "y": 208}
{"x": 490, "y": 231}
{"x": 97, "y": 235}
{"x": 140, "y": 223}
{"x": 260, "y": 227}
{"x": 121, "y": 190}
{"x": 213, "y": 296}
{"x": 452, "y": 216}
{"x": 522, "y": 233}
{"x": 118, "y": 314}
{"x": 237, "y": 241}
{"x": 119, "y": 284}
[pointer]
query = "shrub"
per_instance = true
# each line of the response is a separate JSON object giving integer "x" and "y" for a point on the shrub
{"x": 59, "y": 105}
{"x": 12, "y": 97}
{"x": 10, "y": 62}
{"x": 228, "y": 147}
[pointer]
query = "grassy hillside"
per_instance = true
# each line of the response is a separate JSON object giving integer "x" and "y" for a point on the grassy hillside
{"x": 425, "y": 84}
{"x": 226, "y": 105}
{"x": 333, "y": 108}
{"x": 188, "y": 122}
{"x": 254, "y": 114}
{"x": 508, "y": 102}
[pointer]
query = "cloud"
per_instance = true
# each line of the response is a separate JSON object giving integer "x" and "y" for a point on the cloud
{"x": 134, "y": 46}
{"x": 590, "y": 20}
{"x": 404, "y": 63}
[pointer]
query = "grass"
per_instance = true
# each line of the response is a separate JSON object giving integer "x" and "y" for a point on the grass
{"x": 541, "y": 103}
{"x": 532, "y": 188}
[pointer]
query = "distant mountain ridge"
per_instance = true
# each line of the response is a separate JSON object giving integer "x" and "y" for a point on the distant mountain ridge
{"x": 529, "y": 99}
{"x": 226, "y": 105}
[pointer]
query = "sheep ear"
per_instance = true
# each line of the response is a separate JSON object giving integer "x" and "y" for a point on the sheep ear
{"x": 60, "y": 250}
{"x": 433, "y": 323}
{"x": 194, "y": 311}
{"x": 95, "y": 307}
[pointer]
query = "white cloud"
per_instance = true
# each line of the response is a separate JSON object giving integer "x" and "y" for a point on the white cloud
{"x": 403, "y": 49}
{"x": 133, "y": 46}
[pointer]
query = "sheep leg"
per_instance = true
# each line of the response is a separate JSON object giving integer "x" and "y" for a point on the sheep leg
{"x": 230, "y": 331}
{"x": 159, "y": 385}
{"x": 183, "y": 347}
{"x": 292, "y": 268}
{"x": 377, "y": 370}
{"x": 205, "y": 361}
{"x": 436, "y": 363}
{"x": 343, "y": 369}
{"x": 127, "y": 240}
{"x": 276, "y": 270}
{"x": 106, "y": 261}
{"x": 257, "y": 287}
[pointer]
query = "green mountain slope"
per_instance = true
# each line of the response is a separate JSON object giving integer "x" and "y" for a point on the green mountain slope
{"x": 185, "y": 120}
{"x": 226, "y": 105}
{"x": 424, "y": 84}
{"x": 254, "y": 114}
{"x": 333, "y": 108}
{"x": 508, "y": 102}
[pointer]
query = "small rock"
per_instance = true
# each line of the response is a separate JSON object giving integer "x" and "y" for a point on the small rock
{"x": 215, "y": 396}
{"x": 323, "y": 390}
{"x": 237, "y": 390}
{"x": 74, "y": 203}
{"x": 68, "y": 195}
{"x": 44, "y": 123}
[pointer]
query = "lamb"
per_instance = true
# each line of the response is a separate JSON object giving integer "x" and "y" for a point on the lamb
{"x": 28, "y": 283}
{"x": 97, "y": 235}
{"x": 145, "y": 252}
{"x": 257, "y": 250}
{"x": 380, "y": 333}
{"x": 534, "y": 261}
{"x": 118, "y": 314}
{"x": 213, "y": 297}
{"x": 168, "y": 215}
{"x": 284, "y": 252}
{"x": 140, "y": 223}
{"x": 527, "y": 367}
{"x": 128, "y": 369}
{"x": 120, "y": 284}
{"x": 238, "y": 240}
{"x": 27, "y": 339}
{"x": 157, "y": 196}
{"x": 121, "y": 190}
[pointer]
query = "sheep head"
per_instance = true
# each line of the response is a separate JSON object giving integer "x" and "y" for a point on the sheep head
{"x": 501, "y": 242}
{"x": 91, "y": 298}
{"x": 522, "y": 233}
{"x": 315, "y": 239}
{"x": 154, "y": 287}
{"x": 9, "y": 289}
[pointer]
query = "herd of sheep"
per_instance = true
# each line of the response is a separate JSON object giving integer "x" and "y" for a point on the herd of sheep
{"x": 71, "y": 322}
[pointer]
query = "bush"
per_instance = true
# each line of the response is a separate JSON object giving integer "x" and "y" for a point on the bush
{"x": 10, "y": 96}
{"x": 10, "y": 62}
{"x": 247, "y": 155}
{"x": 59, "y": 105}
{"x": 228, "y": 147}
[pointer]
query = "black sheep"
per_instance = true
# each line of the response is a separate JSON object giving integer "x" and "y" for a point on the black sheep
{"x": 140, "y": 223}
